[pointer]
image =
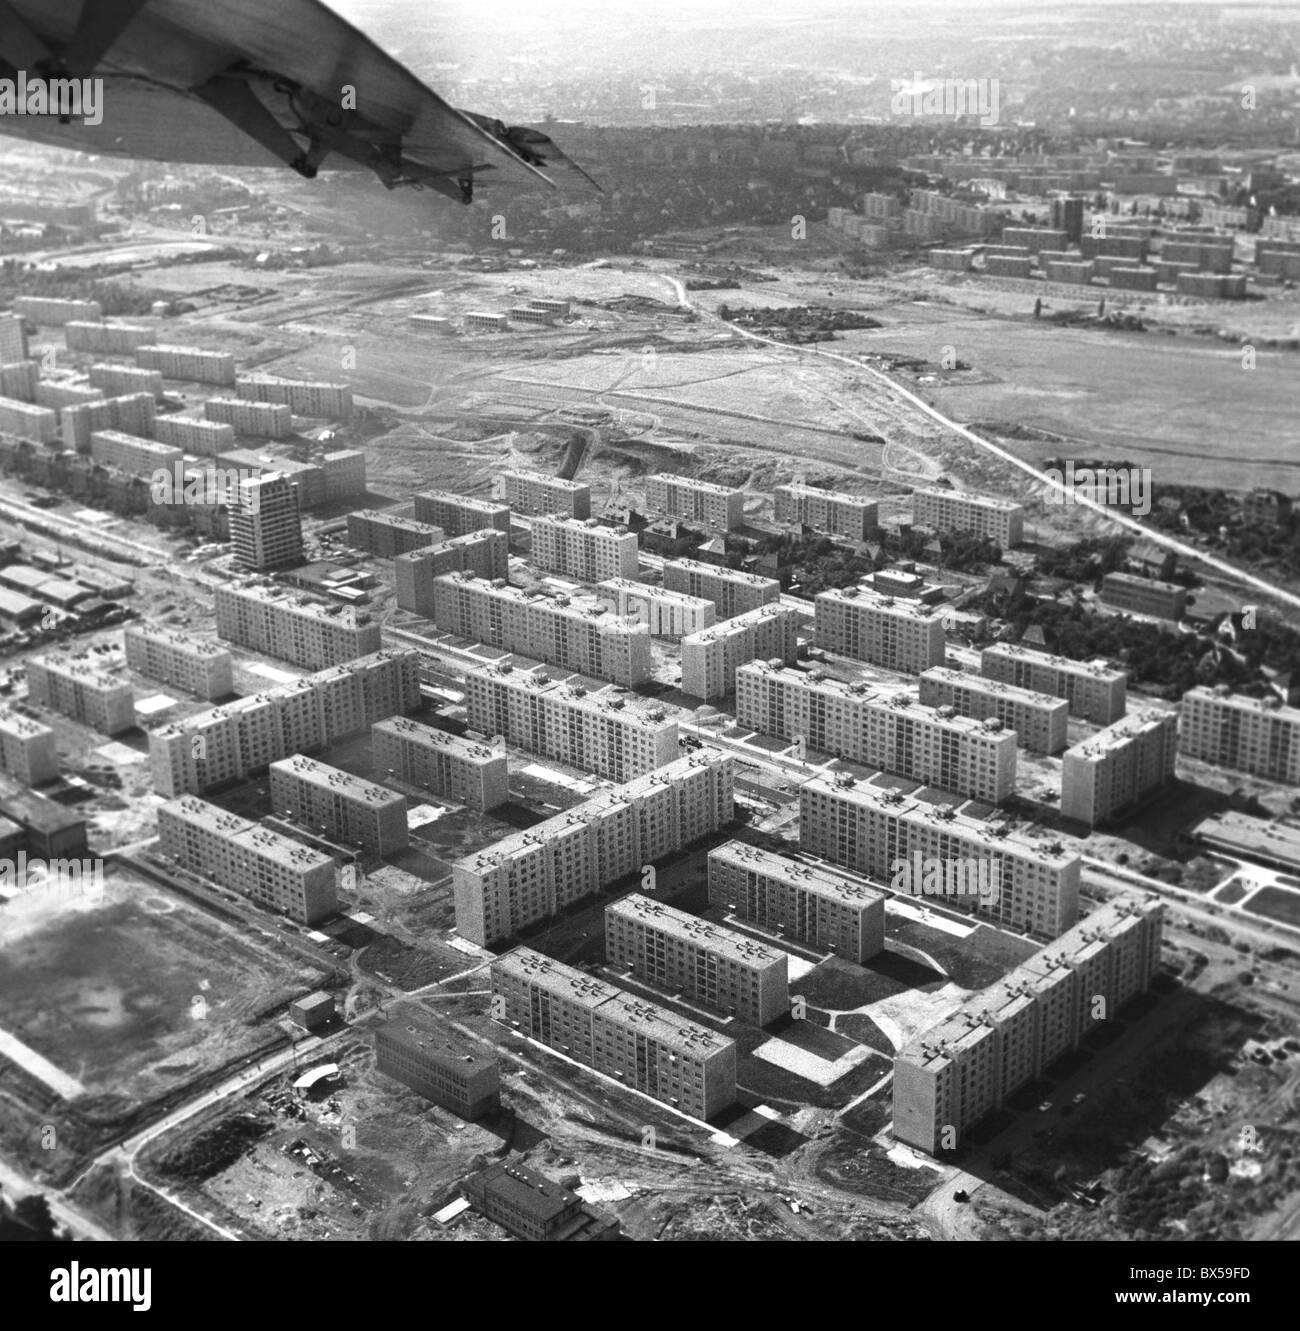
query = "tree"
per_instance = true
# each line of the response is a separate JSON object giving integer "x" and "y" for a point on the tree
{"x": 34, "y": 1212}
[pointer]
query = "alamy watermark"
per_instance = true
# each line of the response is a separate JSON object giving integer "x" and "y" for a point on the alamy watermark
{"x": 28, "y": 874}
{"x": 929, "y": 876}
{"x": 69, "y": 99}
{"x": 210, "y": 486}
{"x": 953, "y": 98}
{"x": 1115, "y": 487}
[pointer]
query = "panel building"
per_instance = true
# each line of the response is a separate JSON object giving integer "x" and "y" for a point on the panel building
{"x": 344, "y": 808}
{"x": 270, "y": 619}
{"x": 27, "y": 750}
{"x": 886, "y": 730}
{"x": 1256, "y": 735}
{"x": 418, "y": 1050}
{"x": 709, "y": 963}
{"x": 583, "y": 548}
{"x": 534, "y": 494}
{"x": 666, "y": 614}
{"x": 485, "y": 553}
{"x": 646, "y": 1047}
{"x": 458, "y": 769}
{"x": 1093, "y": 690}
{"x": 266, "y": 523}
{"x": 457, "y": 514}
{"x": 74, "y": 684}
{"x": 798, "y": 899}
{"x": 1118, "y": 768}
{"x": 138, "y": 457}
{"x": 1144, "y": 596}
{"x": 1040, "y": 720}
{"x": 229, "y": 742}
{"x": 388, "y": 535}
{"x": 732, "y": 592}
{"x": 710, "y": 658}
{"x": 602, "y": 732}
{"x": 535, "y": 874}
{"x": 1000, "y": 520}
{"x": 671, "y": 496}
{"x": 274, "y": 871}
{"x": 180, "y": 659}
{"x": 869, "y": 626}
{"x": 877, "y": 831}
{"x": 1002, "y": 1037}
{"x": 826, "y": 511}
{"x": 586, "y": 639}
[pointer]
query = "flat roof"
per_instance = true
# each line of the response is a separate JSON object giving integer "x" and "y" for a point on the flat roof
{"x": 982, "y": 684}
{"x": 1097, "y": 667}
{"x": 172, "y": 637}
{"x": 471, "y": 750}
{"x": 418, "y": 1030}
{"x": 1256, "y": 837}
{"x": 689, "y": 928}
{"x": 525, "y": 1190}
{"x": 865, "y": 594}
{"x": 464, "y": 501}
{"x": 1121, "y": 733}
{"x": 718, "y": 571}
{"x": 979, "y": 501}
{"x": 833, "y": 496}
{"x": 706, "y": 487}
{"x": 573, "y": 694}
{"x": 1270, "y": 706}
{"x": 385, "y": 519}
{"x": 815, "y": 878}
{"x": 652, "y": 593}
{"x": 14, "y": 723}
{"x": 541, "y": 478}
{"x": 334, "y": 779}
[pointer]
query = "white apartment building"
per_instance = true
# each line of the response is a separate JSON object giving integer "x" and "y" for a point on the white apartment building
{"x": 645, "y": 1047}
{"x": 900, "y": 635}
{"x": 1256, "y": 735}
{"x": 672, "y": 496}
{"x": 872, "y": 829}
{"x": 1001, "y": 520}
{"x": 888, "y": 730}
{"x": 826, "y": 511}
{"x": 139, "y": 457}
{"x": 533, "y": 875}
{"x": 27, "y": 749}
{"x": 798, "y": 899}
{"x": 582, "y": 548}
{"x": 709, "y": 963}
{"x": 586, "y": 639}
{"x": 666, "y": 614}
{"x": 284, "y": 624}
{"x": 1040, "y": 720}
{"x": 732, "y": 592}
{"x": 74, "y": 684}
{"x": 459, "y": 770}
{"x": 180, "y": 659}
{"x": 535, "y": 494}
{"x": 711, "y": 657}
{"x": 272, "y": 870}
{"x": 603, "y": 732}
{"x": 341, "y": 807}
{"x": 457, "y": 514}
{"x": 1093, "y": 690}
{"x": 1119, "y": 767}
{"x": 484, "y": 553}
{"x": 388, "y": 535}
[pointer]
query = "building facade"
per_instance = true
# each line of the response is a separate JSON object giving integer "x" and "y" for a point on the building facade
{"x": 413, "y": 1047}
{"x": 1256, "y": 735}
{"x": 1000, "y": 520}
{"x": 485, "y": 553}
{"x": 732, "y": 592}
{"x": 710, "y": 658}
{"x": 458, "y": 514}
{"x": 666, "y": 614}
{"x": 1040, "y": 720}
{"x": 181, "y": 659}
{"x": 388, "y": 535}
{"x": 458, "y": 769}
{"x": 826, "y": 511}
{"x": 671, "y": 496}
{"x": 1093, "y": 690}
{"x": 75, "y": 685}
{"x": 272, "y": 620}
{"x": 583, "y": 548}
{"x": 862, "y": 623}
{"x": 1144, "y": 596}
{"x": 535, "y": 494}
{"x": 344, "y": 808}
{"x": 1118, "y": 768}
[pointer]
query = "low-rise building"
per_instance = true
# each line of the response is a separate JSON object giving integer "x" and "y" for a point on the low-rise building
{"x": 532, "y": 1207}
{"x": 535, "y": 494}
{"x": 1144, "y": 596}
{"x": 271, "y": 619}
{"x": 421, "y": 1052}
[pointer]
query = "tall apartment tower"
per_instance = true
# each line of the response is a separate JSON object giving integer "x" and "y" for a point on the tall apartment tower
{"x": 266, "y": 525}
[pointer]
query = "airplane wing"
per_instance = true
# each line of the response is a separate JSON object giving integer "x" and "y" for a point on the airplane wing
{"x": 244, "y": 82}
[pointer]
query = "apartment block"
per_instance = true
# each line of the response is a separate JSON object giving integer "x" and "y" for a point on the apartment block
{"x": 458, "y": 769}
{"x": 180, "y": 659}
{"x": 343, "y": 472}
{"x": 389, "y": 534}
{"x": 75, "y": 685}
{"x": 54, "y": 312}
{"x": 709, "y": 963}
{"x": 797, "y": 899}
{"x": 1119, "y": 767}
{"x": 456, "y": 514}
{"x": 1093, "y": 690}
{"x": 1040, "y": 720}
{"x": 732, "y": 592}
{"x": 860, "y": 622}
{"x": 486, "y": 554}
{"x": 586, "y": 639}
{"x": 875, "y": 830}
{"x": 309, "y": 477}
{"x": 421, "y": 1052}
{"x": 710, "y": 658}
{"x": 953, "y": 510}
{"x": 535, "y": 874}
{"x": 1144, "y": 596}
{"x": 273, "y": 871}
{"x": 28, "y": 421}
{"x": 204, "y": 438}
{"x": 603, "y": 732}
{"x": 191, "y": 364}
{"x": 826, "y": 511}
{"x": 119, "y": 380}
{"x": 1256, "y": 735}
{"x": 535, "y": 494}
{"x": 344, "y": 808}
{"x": 131, "y": 414}
{"x": 229, "y": 742}
{"x": 646, "y": 1047}
{"x": 27, "y": 750}
{"x": 888, "y": 730}
{"x": 270, "y": 619}
{"x": 671, "y": 496}
{"x": 52, "y": 393}
{"x": 113, "y": 339}
{"x": 13, "y": 339}
{"x": 267, "y": 420}
{"x": 303, "y": 397}
{"x": 1004, "y": 1036}
{"x": 139, "y": 457}
{"x": 18, "y": 379}
{"x": 583, "y": 548}
{"x": 666, "y": 614}
{"x": 266, "y": 523}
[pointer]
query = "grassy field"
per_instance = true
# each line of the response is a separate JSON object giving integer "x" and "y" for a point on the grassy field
{"x": 1276, "y": 903}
